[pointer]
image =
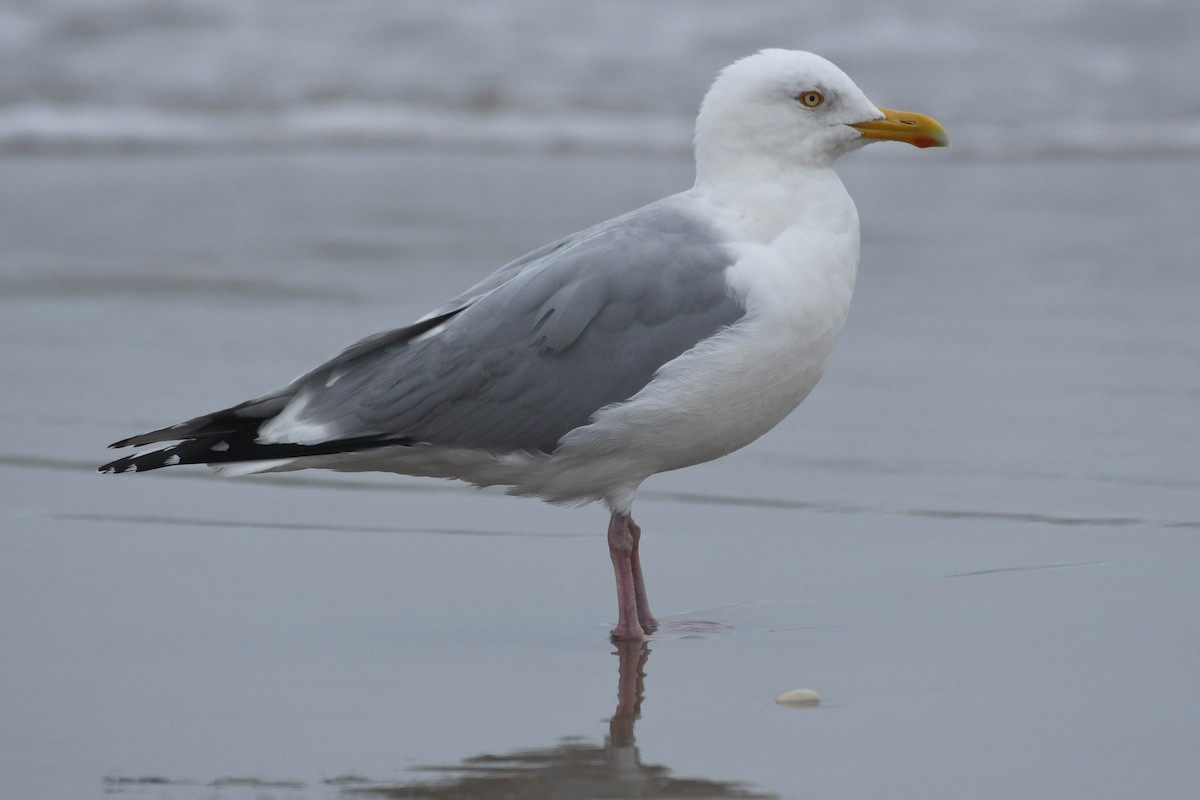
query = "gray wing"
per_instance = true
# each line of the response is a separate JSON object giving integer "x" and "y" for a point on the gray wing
{"x": 537, "y": 348}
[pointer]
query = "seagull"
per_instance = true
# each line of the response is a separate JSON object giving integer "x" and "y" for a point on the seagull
{"x": 667, "y": 337}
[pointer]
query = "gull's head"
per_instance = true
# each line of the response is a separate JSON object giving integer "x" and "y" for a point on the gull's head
{"x": 787, "y": 107}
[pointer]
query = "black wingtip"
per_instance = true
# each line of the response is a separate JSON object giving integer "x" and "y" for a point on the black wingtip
{"x": 223, "y": 451}
{"x": 127, "y": 464}
{"x": 157, "y": 459}
{"x": 142, "y": 438}
{"x": 180, "y": 431}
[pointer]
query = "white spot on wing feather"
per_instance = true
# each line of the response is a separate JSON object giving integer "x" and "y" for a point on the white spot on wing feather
{"x": 290, "y": 426}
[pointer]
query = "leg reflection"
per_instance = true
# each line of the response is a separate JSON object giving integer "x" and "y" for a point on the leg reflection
{"x": 572, "y": 769}
{"x": 631, "y": 686}
{"x": 620, "y": 750}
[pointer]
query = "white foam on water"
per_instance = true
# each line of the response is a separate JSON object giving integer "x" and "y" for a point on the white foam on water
{"x": 1079, "y": 77}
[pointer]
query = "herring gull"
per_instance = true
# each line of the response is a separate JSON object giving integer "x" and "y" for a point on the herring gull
{"x": 667, "y": 337}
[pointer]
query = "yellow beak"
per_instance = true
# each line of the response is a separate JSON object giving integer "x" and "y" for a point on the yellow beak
{"x": 905, "y": 126}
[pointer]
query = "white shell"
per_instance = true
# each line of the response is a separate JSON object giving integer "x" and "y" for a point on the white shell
{"x": 799, "y": 697}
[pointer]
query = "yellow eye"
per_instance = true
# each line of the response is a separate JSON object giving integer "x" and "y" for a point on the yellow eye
{"x": 810, "y": 99}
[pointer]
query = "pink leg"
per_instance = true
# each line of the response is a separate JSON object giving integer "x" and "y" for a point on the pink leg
{"x": 649, "y": 623}
{"x": 634, "y": 619}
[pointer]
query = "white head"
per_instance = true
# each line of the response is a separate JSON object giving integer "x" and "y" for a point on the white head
{"x": 791, "y": 108}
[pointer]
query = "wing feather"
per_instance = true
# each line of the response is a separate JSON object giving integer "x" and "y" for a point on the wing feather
{"x": 583, "y": 326}
{"x": 514, "y": 363}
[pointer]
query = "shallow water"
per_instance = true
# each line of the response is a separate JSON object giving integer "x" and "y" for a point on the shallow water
{"x": 976, "y": 540}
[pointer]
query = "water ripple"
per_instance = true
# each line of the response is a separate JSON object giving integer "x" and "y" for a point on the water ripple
{"x": 685, "y": 498}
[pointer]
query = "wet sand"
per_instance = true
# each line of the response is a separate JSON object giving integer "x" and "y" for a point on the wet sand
{"x": 977, "y": 539}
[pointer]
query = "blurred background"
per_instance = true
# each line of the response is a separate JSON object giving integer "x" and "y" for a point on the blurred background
{"x": 1024, "y": 77}
{"x": 976, "y": 539}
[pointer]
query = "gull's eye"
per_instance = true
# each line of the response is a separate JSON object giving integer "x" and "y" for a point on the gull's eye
{"x": 811, "y": 98}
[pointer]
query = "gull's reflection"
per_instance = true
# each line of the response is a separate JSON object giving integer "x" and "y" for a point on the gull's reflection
{"x": 575, "y": 768}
